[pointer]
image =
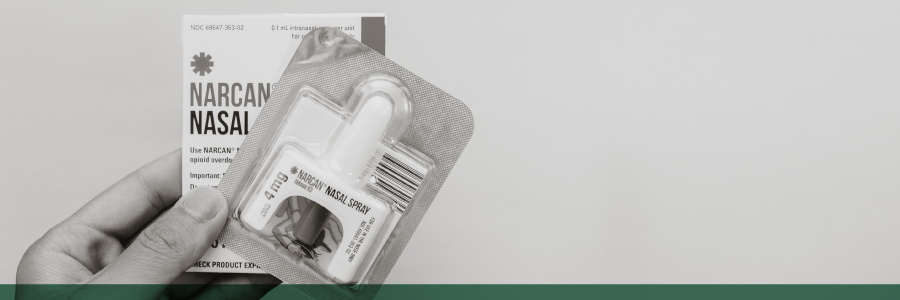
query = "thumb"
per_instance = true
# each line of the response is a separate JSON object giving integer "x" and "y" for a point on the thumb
{"x": 172, "y": 243}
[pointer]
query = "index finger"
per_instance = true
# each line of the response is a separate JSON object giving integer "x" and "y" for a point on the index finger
{"x": 126, "y": 206}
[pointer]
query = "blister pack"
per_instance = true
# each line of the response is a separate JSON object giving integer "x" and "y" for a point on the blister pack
{"x": 340, "y": 167}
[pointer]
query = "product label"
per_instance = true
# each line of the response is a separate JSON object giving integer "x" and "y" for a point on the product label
{"x": 359, "y": 214}
{"x": 230, "y": 66}
{"x": 306, "y": 183}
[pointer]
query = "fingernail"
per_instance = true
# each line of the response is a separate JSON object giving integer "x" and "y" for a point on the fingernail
{"x": 203, "y": 202}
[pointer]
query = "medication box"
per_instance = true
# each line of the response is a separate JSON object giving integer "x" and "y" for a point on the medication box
{"x": 230, "y": 66}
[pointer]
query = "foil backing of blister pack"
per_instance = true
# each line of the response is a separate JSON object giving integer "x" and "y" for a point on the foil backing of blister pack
{"x": 332, "y": 62}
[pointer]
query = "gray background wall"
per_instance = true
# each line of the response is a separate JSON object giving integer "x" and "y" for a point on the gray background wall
{"x": 618, "y": 142}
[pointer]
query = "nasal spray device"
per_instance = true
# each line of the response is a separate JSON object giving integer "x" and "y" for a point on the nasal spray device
{"x": 334, "y": 180}
{"x": 339, "y": 168}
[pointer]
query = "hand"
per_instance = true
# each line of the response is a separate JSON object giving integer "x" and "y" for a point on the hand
{"x": 137, "y": 231}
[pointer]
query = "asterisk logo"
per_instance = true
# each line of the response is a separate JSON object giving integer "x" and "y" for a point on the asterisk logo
{"x": 294, "y": 170}
{"x": 202, "y": 63}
